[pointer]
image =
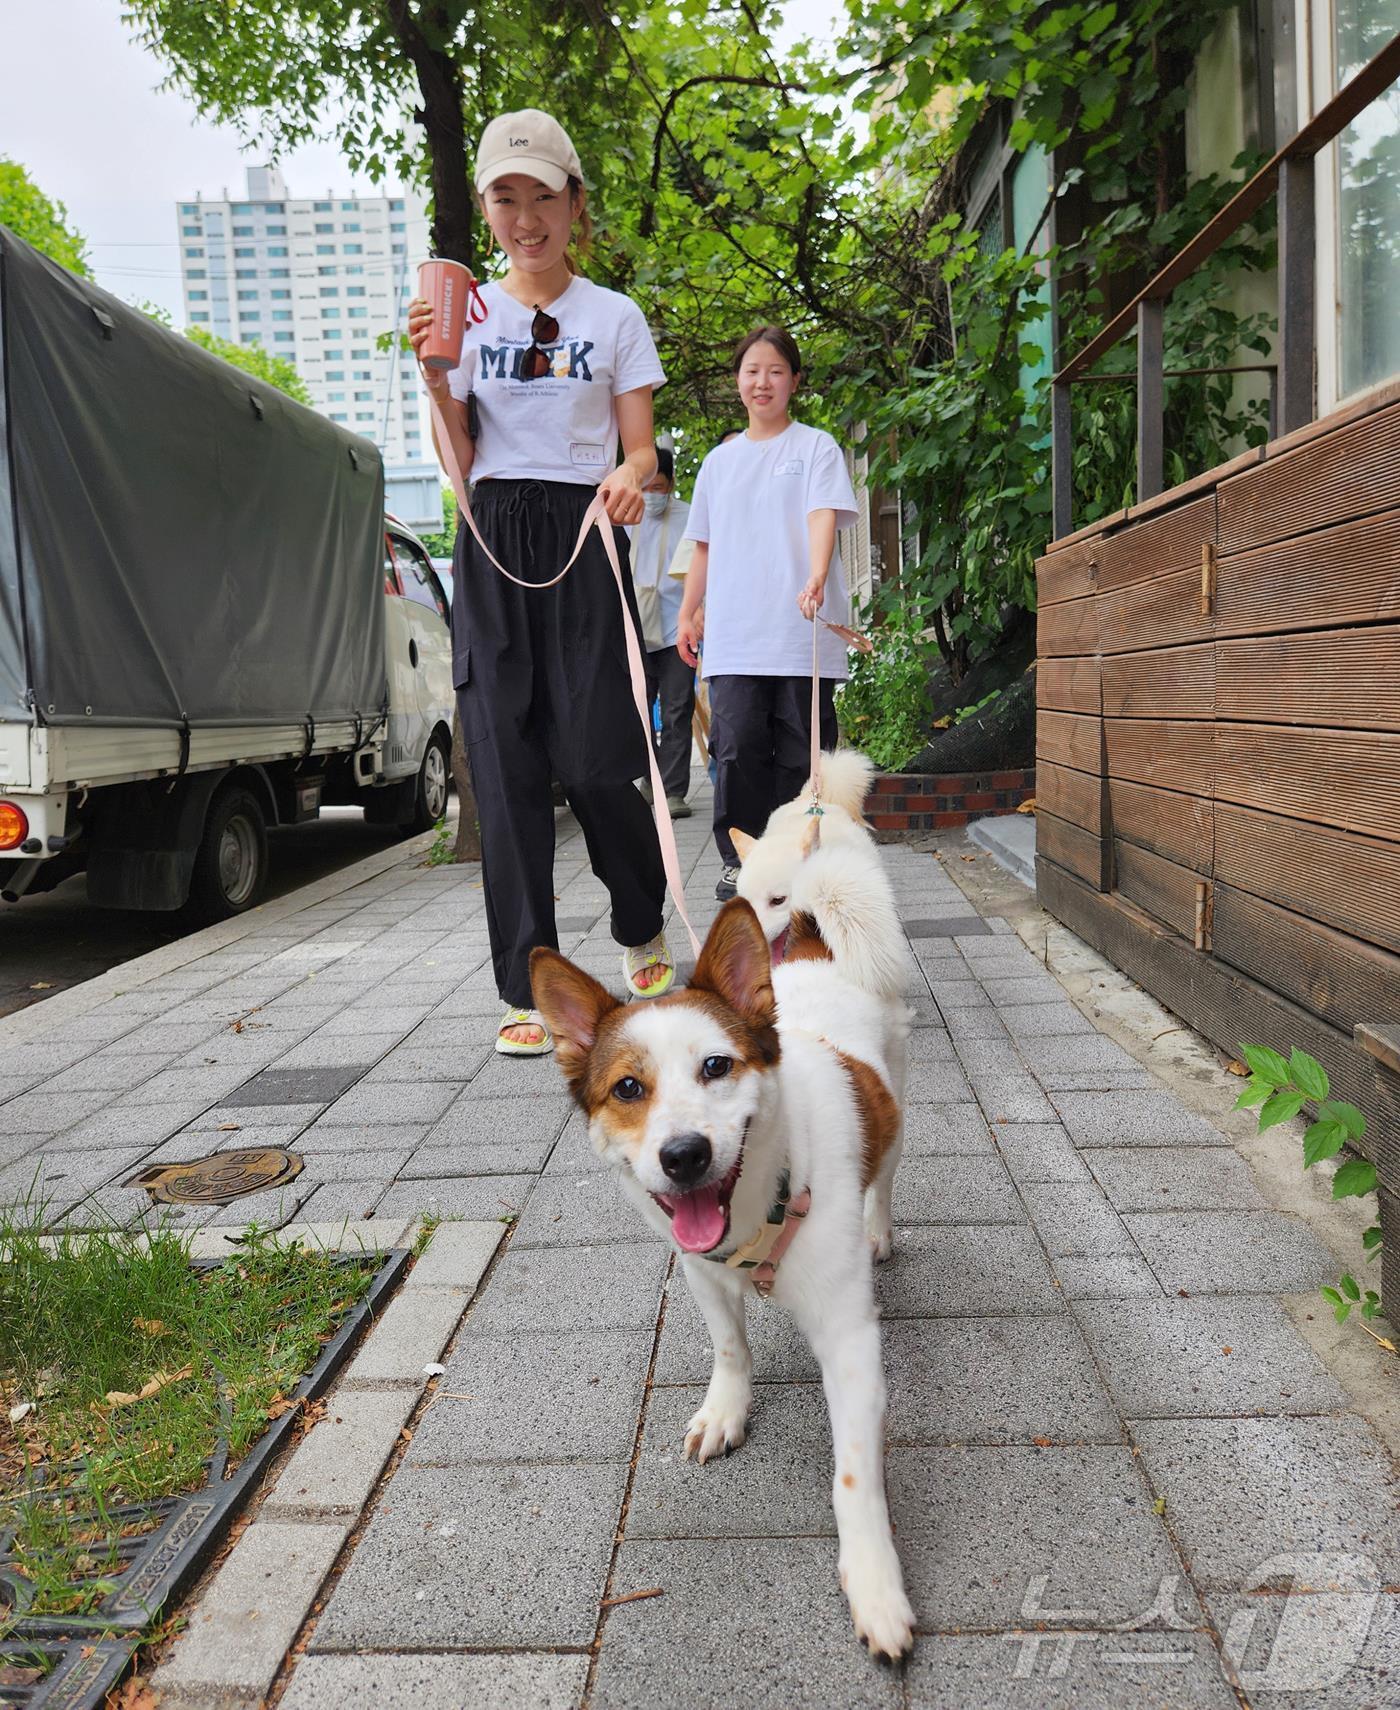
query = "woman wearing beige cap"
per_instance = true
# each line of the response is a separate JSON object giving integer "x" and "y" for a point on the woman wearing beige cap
{"x": 559, "y": 371}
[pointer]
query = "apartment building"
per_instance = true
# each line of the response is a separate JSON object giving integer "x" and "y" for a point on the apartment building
{"x": 318, "y": 280}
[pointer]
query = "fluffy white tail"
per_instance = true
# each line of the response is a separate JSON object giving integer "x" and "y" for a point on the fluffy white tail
{"x": 844, "y": 888}
{"x": 846, "y": 776}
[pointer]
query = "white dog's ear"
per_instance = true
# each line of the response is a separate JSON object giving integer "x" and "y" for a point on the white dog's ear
{"x": 572, "y": 1004}
{"x": 743, "y": 844}
{"x": 736, "y": 964}
{"x": 811, "y": 836}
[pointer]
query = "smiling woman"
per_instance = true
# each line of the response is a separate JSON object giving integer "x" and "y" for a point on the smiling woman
{"x": 558, "y": 373}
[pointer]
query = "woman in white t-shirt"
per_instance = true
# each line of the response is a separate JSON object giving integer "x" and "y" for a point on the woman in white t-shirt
{"x": 764, "y": 516}
{"x": 559, "y": 371}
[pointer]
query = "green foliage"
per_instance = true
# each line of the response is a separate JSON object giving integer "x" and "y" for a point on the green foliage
{"x": 39, "y": 220}
{"x": 441, "y": 543}
{"x": 1280, "y": 1087}
{"x": 885, "y": 707}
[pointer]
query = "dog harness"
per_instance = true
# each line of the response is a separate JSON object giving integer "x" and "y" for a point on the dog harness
{"x": 762, "y": 1255}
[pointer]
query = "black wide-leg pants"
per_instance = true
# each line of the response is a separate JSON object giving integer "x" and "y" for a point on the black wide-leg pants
{"x": 543, "y": 687}
{"x": 761, "y": 740}
{"x": 670, "y": 678}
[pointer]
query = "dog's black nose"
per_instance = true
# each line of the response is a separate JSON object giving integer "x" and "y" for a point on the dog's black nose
{"x": 685, "y": 1158}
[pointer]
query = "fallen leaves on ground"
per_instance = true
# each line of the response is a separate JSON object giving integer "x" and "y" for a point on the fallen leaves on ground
{"x": 1027, "y": 806}
{"x": 149, "y": 1326}
{"x": 132, "y": 1694}
{"x": 1236, "y": 1067}
{"x": 153, "y": 1386}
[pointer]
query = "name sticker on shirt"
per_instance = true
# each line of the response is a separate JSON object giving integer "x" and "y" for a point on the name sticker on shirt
{"x": 589, "y": 456}
{"x": 792, "y": 467}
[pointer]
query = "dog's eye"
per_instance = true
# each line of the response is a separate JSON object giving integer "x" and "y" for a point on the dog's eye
{"x": 628, "y": 1089}
{"x": 776, "y": 902}
{"x": 716, "y": 1068}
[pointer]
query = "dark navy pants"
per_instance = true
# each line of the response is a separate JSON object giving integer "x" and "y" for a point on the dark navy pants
{"x": 543, "y": 689}
{"x": 761, "y": 740}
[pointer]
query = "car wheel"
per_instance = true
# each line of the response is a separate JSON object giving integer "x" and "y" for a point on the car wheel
{"x": 230, "y": 865}
{"x": 430, "y": 793}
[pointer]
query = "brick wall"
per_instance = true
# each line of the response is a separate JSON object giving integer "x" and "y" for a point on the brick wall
{"x": 922, "y": 801}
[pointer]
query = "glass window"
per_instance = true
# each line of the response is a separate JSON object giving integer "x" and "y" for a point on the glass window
{"x": 245, "y": 254}
{"x": 348, "y": 207}
{"x": 354, "y": 268}
{"x": 284, "y": 337}
{"x": 189, "y": 231}
{"x": 196, "y": 273}
{"x": 192, "y": 251}
{"x": 320, "y": 207}
{"x": 396, "y": 203}
{"x": 250, "y": 314}
{"x": 326, "y": 272}
{"x": 279, "y": 273}
{"x": 199, "y": 296}
{"x": 250, "y": 338}
{"x": 281, "y": 314}
{"x": 363, "y": 373}
{"x": 247, "y": 296}
{"x": 354, "y": 290}
{"x": 245, "y": 273}
{"x": 242, "y": 207}
{"x": 418, "y": 579}
{"x": 330, "y": 290}
{"x": 335, "y": 397}
{"x": 350, "y": 226}
{"x": 324, "y": 226}
{"x": 325, "y": 249}
{"x": 189, "y": 207}
{"x": 330, "y": 313}
{"x": 243, "y": 231}
{"x": 357, "y": 314}
{"x": 281, "y": 295}
{"x": 364, "y": 415}
{"x": 364, "y": 397}
{"x": 397, "y": 248}
{"x": 398, "y": 226}
{"x": 200, "y": 315}
{"x": 277, "y": 249}
{"x": 338, "y": 416}
{"x": 1368, "y": 205}
{"x": 277, "y": 231}
{"x": 339, "y": 374}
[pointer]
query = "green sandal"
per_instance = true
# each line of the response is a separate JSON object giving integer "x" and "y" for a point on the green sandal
{"x": 657, "y": 954}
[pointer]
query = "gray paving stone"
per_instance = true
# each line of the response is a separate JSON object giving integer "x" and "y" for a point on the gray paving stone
{"x": 955, "y": 1189}
{"x": 1096, "y": 1080}
{"x": 976, "y": 1024}
{"x": 344, "y": 1164}
{"x": 965, "y": 1272}
{"x": 777, "y": 1484}
{"x": 1300, "y": 1487}
{"x": 614, "y": 1287}
{"x": 478, "y": 1198}
{"x": 1108, "y": 1276}
{"x": 322, "y": 1050}
{"x": 270, "y": 1209}
{"x": 1044, "y": 1020}
{"x": 476, "y": 1158}
{"x": 1174, "y": 1178}
{"x": 978, "y": 1527}
{"x": 337, "y": 1464}
{"x": 239, "y": 1632}
{"x": 579, "y": 1210}
{"x": 934, "y": 1083}
{"x": 40, "y": 1112}
{"x": 1079, "y": 1671}
{"x": 456, "y": 1256}
{"x": 438, "y": 1681}
{"x": 1004, "y": 1087}
{"x": 537, "y": 1396}
{"x": 946, "y": 1130}
{"x": 57, "y": 1181}
{"x": 1072, "y": 1217}
{"x": 16, "y": 1146}
{"x": 1076, "y": 1051}
{"x": 100, "y": 1073}
{"x": 394, "y": 1103}
{"x": 783, "y": 1640}
{"x": 574, "y": 1152}
{"x": 414, "y": 1062}
{"x": 471, "y": 1121}
{"x": 200, "y": 1087}
{"x": 374, "y": 1235}
{"x": 1232, "y": 1252}
{"x": 684, "y": 1353}
{"x": 1335, "y": 1651}
{"x": 328, "y": 1137}
{"x": 334, "y": 1202}
{"x": 1017, "y": 990}
{"x": 994, "y": 1380}
{"x": 409, "y": 1334}
{"x": 1040, "y": 1152}
{"x": 377, "y": 1020}
{"x": 1167, "y": 1358}
{"x": 458, "y": 1556}
{"x": 957, "y": 994}
{"x": 253, "y": 1115}
{"x": 1154, "y": 1118}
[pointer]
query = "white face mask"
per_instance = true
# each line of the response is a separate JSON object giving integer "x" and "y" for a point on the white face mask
{"x": 656, "y": 503}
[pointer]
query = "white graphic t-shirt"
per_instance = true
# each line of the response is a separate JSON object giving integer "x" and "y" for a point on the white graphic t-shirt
{"x": 751, "y": 503}
{"x": 563, "y": 426}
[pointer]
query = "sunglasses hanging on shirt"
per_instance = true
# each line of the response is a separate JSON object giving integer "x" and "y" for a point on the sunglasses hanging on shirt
{"x": 534, "y": 362}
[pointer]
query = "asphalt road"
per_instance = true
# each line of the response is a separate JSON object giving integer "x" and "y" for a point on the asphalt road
{"x": 50, "y": 942}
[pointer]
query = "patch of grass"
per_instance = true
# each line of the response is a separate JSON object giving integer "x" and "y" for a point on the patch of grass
{"x": 95, "y": 1317}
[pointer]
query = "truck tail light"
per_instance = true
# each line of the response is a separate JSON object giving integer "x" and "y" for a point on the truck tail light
{"x": 14, "y": 826}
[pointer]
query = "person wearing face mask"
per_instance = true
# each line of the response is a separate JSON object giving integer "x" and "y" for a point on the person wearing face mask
{"x": 559, "y": 372}
{"x": 660, "y": 556}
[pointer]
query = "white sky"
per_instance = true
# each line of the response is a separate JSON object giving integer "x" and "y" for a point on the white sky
{"x": 81, "y": 111}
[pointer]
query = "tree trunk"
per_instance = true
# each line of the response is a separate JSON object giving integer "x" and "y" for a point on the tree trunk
{"x": 468, "y": 845}
{"x": 440, "y": 85}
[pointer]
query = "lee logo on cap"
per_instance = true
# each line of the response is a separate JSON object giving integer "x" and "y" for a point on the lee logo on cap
{"x": 520, "y": 142}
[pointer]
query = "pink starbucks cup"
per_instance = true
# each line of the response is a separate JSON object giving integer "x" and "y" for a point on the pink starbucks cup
{"x": 448, "y": 287}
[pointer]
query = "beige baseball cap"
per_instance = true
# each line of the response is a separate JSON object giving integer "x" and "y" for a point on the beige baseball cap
{"x": 529, "y": 142}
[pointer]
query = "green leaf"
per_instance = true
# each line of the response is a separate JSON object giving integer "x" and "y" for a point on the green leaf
{"x": 1350, "y": 1287}
{"x": 1309, "y": 1075}
{"x": 1279, "y": 1108}
{"x": 1267, "y": 1064}
{"x": 1254, "y": 1093}
{"x": 1347, "y": 1114}
{"x": 1341, "y": 1308}
{"x": 1371, "y": 1240}
{"x": 1355, "y": 1177}
{"x": 1322, "y": 1140}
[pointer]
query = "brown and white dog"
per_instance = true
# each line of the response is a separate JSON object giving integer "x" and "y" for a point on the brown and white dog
{"x": 745, "y": 1117}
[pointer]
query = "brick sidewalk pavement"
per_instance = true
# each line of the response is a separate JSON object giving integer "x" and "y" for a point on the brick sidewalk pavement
{"x": 1109, "y": 1447}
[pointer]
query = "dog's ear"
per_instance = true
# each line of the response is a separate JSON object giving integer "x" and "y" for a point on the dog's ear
{"x": 811, "y": 836}
{"x": 736, "y": 964}
{"x": 743, "y": 844}
{"x": 572, "y": 1004}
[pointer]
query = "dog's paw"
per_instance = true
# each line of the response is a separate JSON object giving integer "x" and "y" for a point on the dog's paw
{"x": 714, "y": 1431}
{"x": 880, "y": 1612}
{"x": 881, "y": 1239}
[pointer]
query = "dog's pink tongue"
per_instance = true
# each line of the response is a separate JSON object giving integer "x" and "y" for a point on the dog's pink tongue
{"x": 697, "y": 1219}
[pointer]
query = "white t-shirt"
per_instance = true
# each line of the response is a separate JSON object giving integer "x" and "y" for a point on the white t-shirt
{"x": 563, "y": 426}
{"x": 751, "y": 503}
{"x": 660, "y": 556}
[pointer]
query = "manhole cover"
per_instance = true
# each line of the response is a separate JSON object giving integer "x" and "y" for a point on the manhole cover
{"x": 220, "y": 1177}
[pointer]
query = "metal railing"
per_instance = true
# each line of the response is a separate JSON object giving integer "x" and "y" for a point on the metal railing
{"x": 1291, "y": 174}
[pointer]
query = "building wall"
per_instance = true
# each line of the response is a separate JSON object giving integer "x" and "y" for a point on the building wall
{"x": 316, "y": 280}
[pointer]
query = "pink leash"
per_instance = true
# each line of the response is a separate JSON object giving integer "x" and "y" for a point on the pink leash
{"x": 595, "y": 517}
